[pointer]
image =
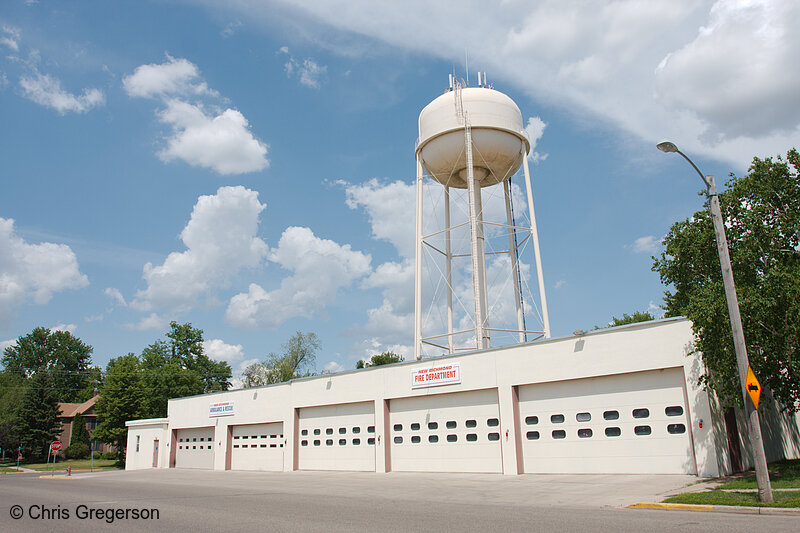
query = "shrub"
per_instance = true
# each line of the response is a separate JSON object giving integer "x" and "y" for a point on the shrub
{"x": 77, "y": 450}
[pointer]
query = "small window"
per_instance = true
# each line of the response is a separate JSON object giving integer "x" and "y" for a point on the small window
{"x": 356, "y": 430}
{"x": 263, "y": 436}
{"x": 611, "y": 415}
{"x": 641, "y": 413}
{"x": 415, "y": 439}
{"x": 471, "y": 423}
{"x": 371, "y": 441}
{"x": 583, "y": 417}
{"x": 303, "y": 443}
{"x": 328, "y": 442}
{"x": 316, "y": 432}
{"x": 584, "y": 433}
{"x": 316, "y": 442}
{"x": 676, "y": 429}
{"x": 532, "y": 435}
{"x": 559, "y": 434}
{"x": 557, "y": 419}
{"x": 494, "y": 436}
{"x": 674, "y": 410}
{"x": 398, "y": 427}
{"x": 398, "y": 440}
{"x": 493, "y": 422}
{"x": 642, "y": 430}
{"x": 531, "y": 420}
{"x": 613, "y": 432}
{"x": 415, "y": 426}
{"x": 342, "y": 431}
{"x": 371, "y": 429}
{"x": 235, "y": 437}
{"x": 451, "y": 424}
{"x": 263, "y": 445}
{"x": 433, "y": 438}
{"x": 235, "y": 446}
{"x": 472, "y": 437}
{"x": 356, "y": 442}
{"x": 304, "y": 432}
{"x": 244, "y": 436}
{"x": 342, "y": 442}
{"x": 137, "y": 442}
{"x": 252, "y": 437}
{"x": 433, "y": 425}
{"x": 195, "y": 439}
{"x": 181, "y": 440}
{"x": 329, "y": 431}
{"x": 452, "y": 438}
{"x": 194, "y": 447}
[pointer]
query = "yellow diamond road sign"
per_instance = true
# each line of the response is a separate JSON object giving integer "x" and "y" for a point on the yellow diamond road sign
{"x": 753, "y": 387}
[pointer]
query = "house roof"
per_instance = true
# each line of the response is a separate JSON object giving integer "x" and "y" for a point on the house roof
{"x": 69, "y": 410}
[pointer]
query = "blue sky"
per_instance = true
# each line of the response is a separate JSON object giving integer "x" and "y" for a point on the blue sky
{"x": 249, "y": 168}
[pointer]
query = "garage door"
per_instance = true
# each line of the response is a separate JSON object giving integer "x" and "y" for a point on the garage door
{"x": 195, "y": 448}
{"x": 337, "y": 437}
{"x": 628, "y": 423}
{"x": 457, "y": 432}
{"x": 257, "y": 447}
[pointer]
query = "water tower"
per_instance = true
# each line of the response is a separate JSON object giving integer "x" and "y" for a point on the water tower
{"x": 472, "y": 139}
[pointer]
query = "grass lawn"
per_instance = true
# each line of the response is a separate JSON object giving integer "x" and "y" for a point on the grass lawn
{"x": 747, "y": 499}
{"x": 77, "y": 464}
{"x": 4, "y": 469}
{"x": 782, "y": 475}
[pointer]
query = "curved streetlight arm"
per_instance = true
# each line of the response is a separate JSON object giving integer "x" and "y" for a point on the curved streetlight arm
{"x": 709, "y": 192}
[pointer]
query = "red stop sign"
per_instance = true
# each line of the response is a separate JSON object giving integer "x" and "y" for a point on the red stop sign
{"x": 55, "y": 446}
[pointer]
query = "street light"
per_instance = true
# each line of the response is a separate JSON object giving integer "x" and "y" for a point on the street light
{"x": 753, "y": 425}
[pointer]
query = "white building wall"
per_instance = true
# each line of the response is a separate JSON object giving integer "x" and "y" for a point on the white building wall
{"x": 627, "y": 349}
{"x": 142, "y": 435}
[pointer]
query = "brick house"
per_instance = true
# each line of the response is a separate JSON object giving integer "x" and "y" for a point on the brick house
{"x": 67, "y": 412}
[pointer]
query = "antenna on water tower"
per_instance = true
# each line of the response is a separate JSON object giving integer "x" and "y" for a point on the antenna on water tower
{"x": 471, "y": 139}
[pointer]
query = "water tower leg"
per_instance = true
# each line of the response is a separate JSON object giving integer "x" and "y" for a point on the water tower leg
{"x": 449, "y": 269}
{"x": 537, "y": 254}
{"x": 512, "y": 252}
{"x": 418, "y": 273}
{"x": 477, "y": 248}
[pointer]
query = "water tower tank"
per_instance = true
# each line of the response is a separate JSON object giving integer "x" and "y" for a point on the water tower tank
{"x": 498, "y": 138}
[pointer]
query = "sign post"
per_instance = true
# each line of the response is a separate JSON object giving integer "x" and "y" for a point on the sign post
{"x": 54, "y": 447}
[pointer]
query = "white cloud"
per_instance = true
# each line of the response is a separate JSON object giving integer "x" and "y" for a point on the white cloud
{"x": 230, "y": 29}
{"x": 46, "y": 90}
{"x": 33, "y": 272}
{"x": 115, "y": 295}
{"x": 219, "y": 351}
{"x": 726, "y": 90}
{"x": 647, "y": 244}
{"x": 175, "y": 77}
{"x": 10, "y": 38}
{"x": 7, "y": 344}
{"x": 64, "y": 327}
{"x": 534, "y": 130}
{"x": 223, "y": 143}
{"x": 390, "y": 208}
{"x": 320, "y": 268}
{"x": 152, "y": 322}
{"x": 220, "y": 240}
{"x": 332, "y": 367}
{"x": 308, "y": 71}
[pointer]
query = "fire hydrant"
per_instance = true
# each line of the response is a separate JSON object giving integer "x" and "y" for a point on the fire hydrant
{"x": 69, "y": 470}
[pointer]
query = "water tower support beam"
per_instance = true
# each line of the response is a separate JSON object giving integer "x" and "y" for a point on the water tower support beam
{"x": 536, "y": 253}
{"x": 418, "y": 269}
{"x": 477, "y": 246}
{"x": 449, "y": 269}
{"x": 512, "y": 252}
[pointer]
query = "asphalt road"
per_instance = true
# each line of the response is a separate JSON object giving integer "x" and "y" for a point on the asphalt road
{"x": 186, "y": 500}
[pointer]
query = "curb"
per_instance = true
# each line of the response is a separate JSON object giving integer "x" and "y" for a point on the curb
{"x": 715, "y": 508}
{"x": 56, "y": 477}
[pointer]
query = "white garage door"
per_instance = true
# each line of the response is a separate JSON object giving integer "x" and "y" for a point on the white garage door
{"x": 337, "y": 437}
{"x": 257, "y": 447}
{"x": 195, "y": 448}
{"x": 627, "y": 423}
{"x": 457, "y": 432}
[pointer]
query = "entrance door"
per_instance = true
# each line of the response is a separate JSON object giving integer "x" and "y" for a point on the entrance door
{"x": 155, "y": 453}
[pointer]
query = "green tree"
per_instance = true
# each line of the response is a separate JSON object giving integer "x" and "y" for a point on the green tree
{"x": 12, "y": 388}
{"x": 79, "y": 439}
{"x": 164, "y": 376}
{"x": 385, "y": 358}
{"x": 297, "y": 360}
{"x": 186, "y": 343}
{"x": 635, "y": 317}
{"x": 36, "y": 422}
{"x": 762, "y": 222}
{"x": 64, "y": 357}
{"x": 122, "y": 398}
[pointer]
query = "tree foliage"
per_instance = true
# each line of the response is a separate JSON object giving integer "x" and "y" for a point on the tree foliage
{"x": 36, "y": 422}
{"x": 122, "y": 398}
{"x": 64, "y": 357}
{"x": 79, "y": 439}
{"x": 12, "y": 387}
{"x": 762, "y": 222}
{"x": 385, "y": 358}
{"x": 297, "y": 360}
